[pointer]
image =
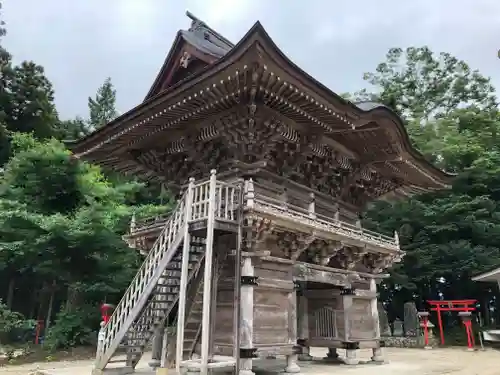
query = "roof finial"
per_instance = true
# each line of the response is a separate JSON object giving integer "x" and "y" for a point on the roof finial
{"x": 196, "y": 23}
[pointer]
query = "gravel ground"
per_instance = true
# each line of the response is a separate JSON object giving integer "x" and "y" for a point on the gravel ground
{"x": 449, "y": 361}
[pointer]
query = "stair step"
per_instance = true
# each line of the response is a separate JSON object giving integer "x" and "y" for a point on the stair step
{"x": 118, "y": 360}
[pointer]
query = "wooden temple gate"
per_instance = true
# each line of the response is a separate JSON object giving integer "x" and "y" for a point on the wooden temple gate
{"x": 267, "y": 256}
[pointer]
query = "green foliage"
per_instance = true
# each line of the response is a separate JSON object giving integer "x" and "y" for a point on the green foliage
{"x": 420, "y": 85}
{"x": 103, "y": 107}
{"x": 450, "y": 112}
{"x": 71, "y": 329}
{"x": 10, "y": 320}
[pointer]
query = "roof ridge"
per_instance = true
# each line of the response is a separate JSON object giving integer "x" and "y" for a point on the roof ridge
{"x": 198, "y": 25}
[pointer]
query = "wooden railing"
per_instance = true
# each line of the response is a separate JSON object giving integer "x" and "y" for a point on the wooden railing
{"x": 227, "y": 201}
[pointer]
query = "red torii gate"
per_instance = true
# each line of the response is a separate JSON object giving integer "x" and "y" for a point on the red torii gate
{"x": 457, "y": 305}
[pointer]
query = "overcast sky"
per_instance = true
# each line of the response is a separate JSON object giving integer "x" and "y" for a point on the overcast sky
{"x": 81, "y": 42}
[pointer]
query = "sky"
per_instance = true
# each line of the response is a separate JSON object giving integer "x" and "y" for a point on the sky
{"x": 81, "y": 42}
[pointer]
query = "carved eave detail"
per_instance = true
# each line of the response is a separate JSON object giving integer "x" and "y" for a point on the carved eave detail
{"x": 298, "y": 135}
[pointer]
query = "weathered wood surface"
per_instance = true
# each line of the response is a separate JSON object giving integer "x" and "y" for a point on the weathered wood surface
{"x": 272, "y": 304}
{"x": 361, "y": 322}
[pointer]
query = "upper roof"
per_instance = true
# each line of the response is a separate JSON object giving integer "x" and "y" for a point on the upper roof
{"x": 202, "y": 39}
{"x": 210, "y": 45}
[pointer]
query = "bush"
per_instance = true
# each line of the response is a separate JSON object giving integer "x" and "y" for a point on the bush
{"x": 73, "y": 328}
{"x": 11, "y": 321}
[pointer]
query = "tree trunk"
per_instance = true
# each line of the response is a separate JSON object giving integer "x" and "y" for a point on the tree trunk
{"x": 10, "y": 293}
{"x": 34, "y": 300}
{"x": 73, "y": 298}
{"x": 51, "y": 304}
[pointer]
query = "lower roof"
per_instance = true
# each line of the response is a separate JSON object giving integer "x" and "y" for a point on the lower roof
{"x": 490, "y": 276}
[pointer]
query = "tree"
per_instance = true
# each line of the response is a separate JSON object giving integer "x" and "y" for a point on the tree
{"x": 420, "y": 85}
{"x": 61, "y": 223}
{"x": 26, "y": 103}
{"x": 74, "y": 129}
{"x": 450, "y": 112}
{"x": 102, "y": 108}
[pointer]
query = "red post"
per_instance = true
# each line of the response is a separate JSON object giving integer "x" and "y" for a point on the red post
{"x": 466, "y": 317}
{"x": 39, "y": 328}
{"x": 424, "y": 317}
{"x": 463, "y": 305}
{"x": 440, "y": 324}
{"x": 106, "y": 311}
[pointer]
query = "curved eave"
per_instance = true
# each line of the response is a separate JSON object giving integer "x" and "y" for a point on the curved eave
{"x": 116, "y": 126}
{"x": 441, "y": 177}
{"x": 257, "y": 36}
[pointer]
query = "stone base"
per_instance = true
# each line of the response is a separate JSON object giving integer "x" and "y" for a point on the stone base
{"x": 154, "y": 363}
{"x": 350, "y": 357}
{"x": 378, "y": 355}
{"x": 292, "y": 368}
{"x": 351, "y": 361}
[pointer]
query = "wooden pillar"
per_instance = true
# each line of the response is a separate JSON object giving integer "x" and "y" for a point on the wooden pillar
{"x": 246, "y": 316}
{"x": 350, "y": 353}
{"x": 157, "y": 347}
{"x": 378, "y": 355}
{"x": 291, "y": 360}
{"x": 303, "y": 328}
{"x": 207, "y": 277}
{"x": 164, "y": 351}
{"x": 181, "y": 316}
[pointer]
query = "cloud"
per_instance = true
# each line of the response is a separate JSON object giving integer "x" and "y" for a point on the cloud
{"x": 80, "y": 43}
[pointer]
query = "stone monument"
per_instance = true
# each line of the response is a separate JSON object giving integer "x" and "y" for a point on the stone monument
{"x": 385, "y": 329}
{"x": 410, "y": 319}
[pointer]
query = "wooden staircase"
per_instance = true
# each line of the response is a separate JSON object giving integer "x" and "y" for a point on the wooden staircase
{"x": 157, "y": 289}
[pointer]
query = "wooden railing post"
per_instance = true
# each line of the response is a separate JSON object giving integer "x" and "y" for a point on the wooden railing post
{"x": 181, "y": 318}
{"x": 207, "y": 279}
{"x": 132, "y": 224}
{"x": 100, "y": 341}
{"x": 284, "y": 199}
{"x": 312, "y": 206}
{"x": 249, "y": 193}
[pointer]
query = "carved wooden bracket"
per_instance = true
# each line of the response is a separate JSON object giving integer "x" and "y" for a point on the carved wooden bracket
{"x": 376, "y": 263}
{"x": 348, "y": 257}
{"x": 323, "y": 251}
{"x": 294, "y": 244}
{"x": 256, "y": 232}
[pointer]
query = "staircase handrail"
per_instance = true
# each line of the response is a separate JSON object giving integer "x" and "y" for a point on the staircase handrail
{"x": 151, "y": 254}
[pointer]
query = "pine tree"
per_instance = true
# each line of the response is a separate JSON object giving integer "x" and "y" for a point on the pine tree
{"x": 102, "y": 108}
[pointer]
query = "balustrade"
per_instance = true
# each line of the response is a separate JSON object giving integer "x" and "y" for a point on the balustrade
{"x": 227, "y": 201}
